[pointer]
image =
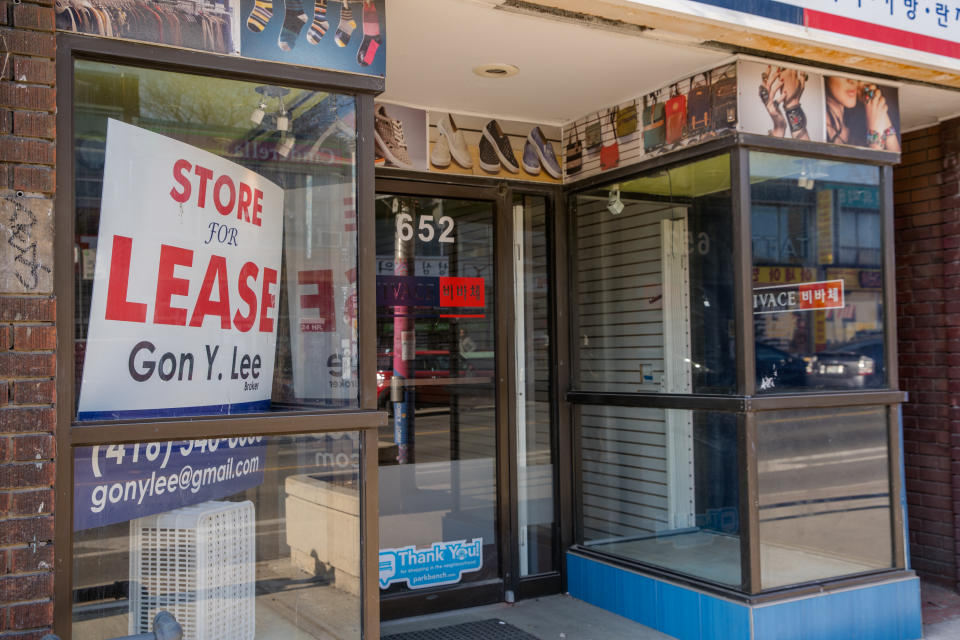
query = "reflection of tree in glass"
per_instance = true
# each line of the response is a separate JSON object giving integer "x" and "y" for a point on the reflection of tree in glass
{"x": 194, "y": 100}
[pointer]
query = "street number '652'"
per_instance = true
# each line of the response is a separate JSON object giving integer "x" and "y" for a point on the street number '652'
{"x": 426, "y": 228}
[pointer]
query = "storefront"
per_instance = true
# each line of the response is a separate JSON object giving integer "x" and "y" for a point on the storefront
{"x": 330, "y": 354}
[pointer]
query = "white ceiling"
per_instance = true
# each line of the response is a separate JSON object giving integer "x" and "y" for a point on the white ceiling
{"x": 567, "y": 69}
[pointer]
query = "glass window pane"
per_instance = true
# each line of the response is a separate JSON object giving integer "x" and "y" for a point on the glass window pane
{"x": 436, "y": 338}
{"x": 215, "y": 245}
{"x": 236, "y": 537}
{"x": 817, "y": 275}
{"x": 661, "y": 486}
{"x": 654, "y": 277}
{"x": 535, "y": 447}
{"x": 824, "y": 494}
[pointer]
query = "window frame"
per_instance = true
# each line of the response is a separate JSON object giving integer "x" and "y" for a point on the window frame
{"x": 745, "y": 400}
{"x": 364, "y": 420}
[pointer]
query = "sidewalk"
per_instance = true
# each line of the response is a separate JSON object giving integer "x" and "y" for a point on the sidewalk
{"x": 941, "y": 612}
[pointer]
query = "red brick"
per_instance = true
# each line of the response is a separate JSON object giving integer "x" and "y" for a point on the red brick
{"x": 28, "y": 365}
{"x": 29, "y": 42}
{"x": 33, "y": 178}
{"x": 27, "y": 419}
{"x": 17, "y": 531}
{"x": 31, "y": 503}
{"x": 31, "y": 615}
{"x": 27, "y": 309}
{"x": 31, "y": 16}
{"x": 33, "y": 392}
{"x": 33, "y": 124}
{"x": 34, "y": 70}
{"x": 26, "y": 474}
{"x": 32, "y": 447}
{"x": 28, "y": 587}
{"x": 23, "y": 96}
{"x": 27, "y": 150}
{"x": 34, "y": 338}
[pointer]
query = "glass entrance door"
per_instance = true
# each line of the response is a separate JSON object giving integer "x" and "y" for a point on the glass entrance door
{"x": 436, "y": 377}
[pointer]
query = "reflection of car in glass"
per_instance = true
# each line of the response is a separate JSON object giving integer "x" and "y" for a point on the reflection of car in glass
{"x": 855, "y": 365}
{"x": 433, "y": 376}
{"x": 777, "y": 368}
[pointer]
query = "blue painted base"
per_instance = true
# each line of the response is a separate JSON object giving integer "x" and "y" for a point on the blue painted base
{"x": 886, "y": 611}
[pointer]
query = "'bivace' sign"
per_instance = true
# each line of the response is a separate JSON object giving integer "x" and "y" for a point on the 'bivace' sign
{"x": 806, "y": 296}
{"x": 184, "y": 306}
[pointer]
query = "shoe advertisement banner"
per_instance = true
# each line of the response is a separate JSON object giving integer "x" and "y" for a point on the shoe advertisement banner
{"x": 480, "y": 146}
{"x": 400, "y": 137}
{"x": 781, "y": 101}
{"x": 183, "y": 316}
{"x": 342, "y": 35}
{"x": 321, "y": 296}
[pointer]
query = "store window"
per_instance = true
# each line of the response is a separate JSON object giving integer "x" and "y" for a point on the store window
{"x": 818, "y": 276}
{"x": 654, "y": 276}
{"x": 215, "y": 247}
{"x": 215, "y": 261}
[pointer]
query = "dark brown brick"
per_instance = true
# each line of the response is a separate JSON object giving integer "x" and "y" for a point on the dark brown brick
{"x": 28, "y": 587}
{"x": 32, "y": 447}
{"x": 34, "y": 70}
{"x": 17, "y": 531}
{"x": 33, "y": 124}
{"x": 27, "y": 419}
{"x": 34, "y": 338}
{"x": 29, "y": 559}
{"x": 27, "y": 309}
{"x": 31, "y": 615}
{"x": 33, "y": 178}
{"x": 19, "y": 475}
{"x": 31, "y": 503}
{"x": 31, "y": 16}
{"x": 28, "y": 365}
{"x": 6, "y": 121}
{"x": 33, "y": 391}
{"x": 6, "y": 337}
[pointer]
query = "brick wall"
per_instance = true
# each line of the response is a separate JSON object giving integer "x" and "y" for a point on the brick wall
{"x": 927, "y": 244}
{"x": 27, "y": 313}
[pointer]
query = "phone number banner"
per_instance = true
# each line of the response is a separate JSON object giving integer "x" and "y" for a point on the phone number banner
{"x": 184, "y": 306}
{"x": 116, "y": 483}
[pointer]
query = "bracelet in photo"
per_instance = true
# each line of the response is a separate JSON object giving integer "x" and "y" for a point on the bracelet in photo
{"x": 796, "y": 118}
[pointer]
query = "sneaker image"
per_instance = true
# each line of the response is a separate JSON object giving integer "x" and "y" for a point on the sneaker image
{"x": 440, "y": 155}
{"x": 455, "y": 141}
{"x": 489, "y": 161}
{"x": 501, "y": 145}
{"x": 531, "y": 161}
{"x": 388, "y": 134}
{"x": 544, "y": 151}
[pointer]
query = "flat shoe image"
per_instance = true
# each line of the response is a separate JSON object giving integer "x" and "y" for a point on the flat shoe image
{"x": 544, "y": 151}
{"x": 440, "y": 155}
{"x": 455, "y": 141}
{"x": 531, "y": 162}
{"x": 501, "y": 145}
{"x": 489, "y": 161}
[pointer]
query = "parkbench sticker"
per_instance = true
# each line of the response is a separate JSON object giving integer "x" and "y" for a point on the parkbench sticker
{"x": 807, "y": 296}
{"x": 440, "y": 563}
{"x": 184, "y": 309}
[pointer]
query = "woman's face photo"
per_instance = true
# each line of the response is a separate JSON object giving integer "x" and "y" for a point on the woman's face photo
{"x": 843, "y": 90}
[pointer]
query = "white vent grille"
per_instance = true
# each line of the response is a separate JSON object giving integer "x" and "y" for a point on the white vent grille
{"x": 196, "y": 562}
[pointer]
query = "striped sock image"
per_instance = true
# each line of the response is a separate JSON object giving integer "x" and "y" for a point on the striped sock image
{"x": 320, "y": 24}
{"x": 346, "y": 26}
{"x": 371, "y": 36}
{"x": 260, "y": 16}
{"x": 293, "y": 20}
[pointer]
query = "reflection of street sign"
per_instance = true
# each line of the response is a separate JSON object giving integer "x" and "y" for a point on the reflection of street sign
{"x": 808, "y": 296}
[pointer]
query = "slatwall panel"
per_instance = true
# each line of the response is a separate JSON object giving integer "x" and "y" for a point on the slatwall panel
{"x": 630, "y": 149}
{"x": 619, "y": 299}
{"x": 624, "y": 471}
{"x": 619, "y": 306}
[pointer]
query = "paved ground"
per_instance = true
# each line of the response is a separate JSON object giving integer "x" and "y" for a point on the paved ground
{"x": 941, "y": 612}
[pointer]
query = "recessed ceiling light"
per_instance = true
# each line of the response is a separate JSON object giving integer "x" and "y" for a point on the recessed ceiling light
{"x": 496, "y": 70}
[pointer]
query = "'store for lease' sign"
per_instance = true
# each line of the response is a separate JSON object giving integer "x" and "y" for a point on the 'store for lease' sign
{"x": 183, "y": 316}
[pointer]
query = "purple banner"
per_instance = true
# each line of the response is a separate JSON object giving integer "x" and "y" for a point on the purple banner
{"x": 120, "y": 482}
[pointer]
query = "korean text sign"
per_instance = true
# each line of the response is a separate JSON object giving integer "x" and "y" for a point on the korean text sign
{"x": 183, "y": 316}
{"x": 805, "y": 296}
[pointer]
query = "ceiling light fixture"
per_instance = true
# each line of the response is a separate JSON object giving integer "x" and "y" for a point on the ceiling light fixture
{"x": 496, "y": 70}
